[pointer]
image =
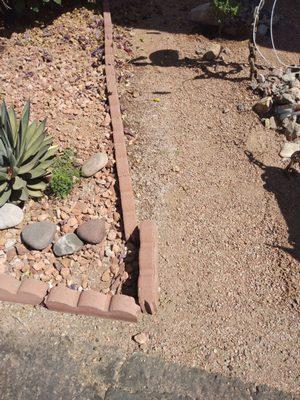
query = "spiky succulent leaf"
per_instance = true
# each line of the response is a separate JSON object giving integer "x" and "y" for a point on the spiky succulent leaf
{"x": 26, "y": 155}
{"x": 4, "y": 196}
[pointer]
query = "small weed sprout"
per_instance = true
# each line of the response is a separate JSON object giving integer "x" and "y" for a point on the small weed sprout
{"x": 64, "y": 175}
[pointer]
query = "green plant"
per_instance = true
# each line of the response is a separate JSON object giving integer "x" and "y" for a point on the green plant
{"x": 19, "y": 7}
{"x": 226, "y": 10}
{"x": 64, "y": 175}
{"x": 26, "y": 156}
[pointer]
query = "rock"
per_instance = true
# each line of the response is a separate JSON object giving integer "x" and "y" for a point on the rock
{"x": 288, "y": 149}
{"x": 272, "y": 123}
{"x": 39, "y": 235}
{"x": 141, "y": 338}
{"x": 295, "y": 91}
{"x": 297, "y": 130}
{"x": 287, "y": 98}
{"x": 94, "y": 164}
{"x": 106, "y": 276}
{"x": 21, "y": 249}
{"x": 10, "y": 254}
{"x": 262, "y": 30}
{"x": 65, "y": 272}
{"x": 42, "y": 217}
{"x": 203, "y": 14}
{"x": 263, "y": 106}
{"x": 289, "y": 77}
{"x": 68, "y": 244}
{"x": 38, "y": 266}
{"x": 9, "y": 243}
{"x": 10, "y": 216}
{"x": 289, "y": 128}
{"x": 92, "y": 231}
{"x": 213, "y": 52}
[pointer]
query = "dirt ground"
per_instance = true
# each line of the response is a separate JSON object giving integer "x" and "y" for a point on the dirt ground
{"x": 228, "y": 227}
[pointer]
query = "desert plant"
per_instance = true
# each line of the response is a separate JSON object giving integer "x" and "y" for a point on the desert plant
{"x": 26, "y": 156}
{"x": 64, "y": 175}
{"x": 226, "y": 10}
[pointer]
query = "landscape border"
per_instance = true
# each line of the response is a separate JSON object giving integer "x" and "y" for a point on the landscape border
{"x": 90, "y": 302}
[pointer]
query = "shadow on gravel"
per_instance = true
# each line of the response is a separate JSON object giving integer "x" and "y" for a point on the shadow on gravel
{"x": 44, "y": 367}
{"x": 216, "y": 69}
{"x": 286, "y": 189}
{"x": 172, "y": 16}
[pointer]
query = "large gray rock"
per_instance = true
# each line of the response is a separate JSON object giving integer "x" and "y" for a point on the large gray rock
{"x": 203, "y": 14}
{"x": 92, "y": 231}
{"x": 68, "y": 244}
{"x": 39, "y": 235}
{"x": 10, "y": 216}
{"x": 94, "y": 164}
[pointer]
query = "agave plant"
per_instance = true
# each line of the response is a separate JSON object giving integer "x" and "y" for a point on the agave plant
{"x": 26, "y": 156}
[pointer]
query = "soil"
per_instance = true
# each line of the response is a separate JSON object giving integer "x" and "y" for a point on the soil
{"x": 209, "y": 173}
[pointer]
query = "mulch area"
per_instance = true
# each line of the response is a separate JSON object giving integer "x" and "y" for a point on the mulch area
{"x": 59, "y": 67}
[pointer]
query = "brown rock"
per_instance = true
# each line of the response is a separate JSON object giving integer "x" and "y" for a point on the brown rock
{"x": 21, "y": 249}
{"x": 65, "y": 272}
{"x": 92, "y": 231}
{"x": 106, "y": 276}
{"x": 141, "y": 338}
{"x": 38, "y": 266}
{"x": 10, "y": 254}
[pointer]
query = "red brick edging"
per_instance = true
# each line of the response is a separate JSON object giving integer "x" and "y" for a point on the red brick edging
{"x": 148, "y": 261}
{"x": 148, "y": 257}
{"x": 63, "y": 299}
{"x": 125, "y": 184}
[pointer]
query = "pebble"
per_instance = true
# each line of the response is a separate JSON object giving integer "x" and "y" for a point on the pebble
{"x": 288, "y": 149}
{"x": 67, "y": 244}
{"x": 21, "y": 249}
{"x": 9, "y": 243}
{"x": 141, "y": 338}
{"x": 289, "y": 77}
{"x": 39, "y": 266}
{"x": 213, "y": 52}
{"x": 106, "y": 276}
{"x": 94, "y": 164}
{"x": 10, "y": 216}
{"x": 92, "y": 231}
{"x": 39, "y": 235}
{"x": 10, "y": 254}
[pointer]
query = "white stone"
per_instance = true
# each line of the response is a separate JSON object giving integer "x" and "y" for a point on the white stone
{"x": 288, "y": 149}
{"x": 10, "y": 216}
{"x": 94, "y": 164}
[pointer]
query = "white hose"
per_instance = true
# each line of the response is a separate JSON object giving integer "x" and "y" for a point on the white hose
{"x": 256, "y": 20}
{"x": 272, "y": 39}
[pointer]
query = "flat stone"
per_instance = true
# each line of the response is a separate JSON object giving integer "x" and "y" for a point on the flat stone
{"x": 10, "y": 216}
{"x": 68, "y": 244}
{"x": 92, "y": 231}
{"x": 94, "y": 164}
{"x": 288, "y": 149}
{"x": 39, "y": 235}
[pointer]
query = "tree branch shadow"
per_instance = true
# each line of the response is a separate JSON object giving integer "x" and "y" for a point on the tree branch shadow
{"x": 286, "y": 189}
{"x": 216, "y": 69}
